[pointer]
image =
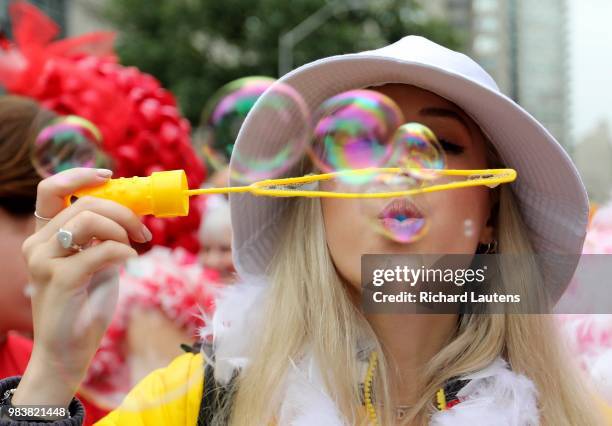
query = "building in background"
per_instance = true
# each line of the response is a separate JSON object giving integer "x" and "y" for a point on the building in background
{"x": 494, "y": 42}
{"x": 523, "y": 45}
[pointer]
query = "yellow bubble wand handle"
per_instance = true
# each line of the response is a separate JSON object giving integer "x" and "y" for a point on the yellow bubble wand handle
{"x": 162, "y": 194}
{"x": 166, "y": 194}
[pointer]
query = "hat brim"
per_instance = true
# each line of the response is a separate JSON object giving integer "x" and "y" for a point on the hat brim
{"x": 550, "y": 193}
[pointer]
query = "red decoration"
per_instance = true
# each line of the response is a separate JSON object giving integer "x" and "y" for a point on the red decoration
{"x": 142, "y": 127}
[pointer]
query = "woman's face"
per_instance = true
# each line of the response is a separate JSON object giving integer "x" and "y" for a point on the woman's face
{"x": 457, "y": 219}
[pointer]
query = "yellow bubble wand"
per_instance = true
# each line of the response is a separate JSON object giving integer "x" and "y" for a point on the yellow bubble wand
{"x": 166, "y": 194}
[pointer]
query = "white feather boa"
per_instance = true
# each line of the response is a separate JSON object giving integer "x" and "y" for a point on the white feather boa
{"x": 495, "y": 396}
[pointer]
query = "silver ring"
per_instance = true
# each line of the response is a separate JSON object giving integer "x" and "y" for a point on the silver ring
{"x": 64, "y": 237}
{"x": 37, "y": 216}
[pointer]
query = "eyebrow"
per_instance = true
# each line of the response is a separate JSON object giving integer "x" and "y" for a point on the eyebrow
{"x": 446, "y": 113}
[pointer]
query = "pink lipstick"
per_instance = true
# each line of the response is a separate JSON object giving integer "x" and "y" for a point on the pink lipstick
{"x": 402, "y": 221}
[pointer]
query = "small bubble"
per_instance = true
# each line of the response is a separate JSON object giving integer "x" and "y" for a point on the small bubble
{"x": 29, "y": 290}
{"x": 68, "y": 142}
{"x": 417, "y": 151}
{"x": 468, "y": 228}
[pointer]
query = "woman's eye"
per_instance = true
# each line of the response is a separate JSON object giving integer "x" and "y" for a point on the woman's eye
{"x": 450, "y": 147}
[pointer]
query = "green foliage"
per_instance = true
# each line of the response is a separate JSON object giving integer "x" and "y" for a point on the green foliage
{"x": 196, "y": 46}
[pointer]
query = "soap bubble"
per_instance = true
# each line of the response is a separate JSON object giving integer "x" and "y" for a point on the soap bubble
{"x": 354, "y": 130}
{"x": 468, "y": 228}
{"x": 223, "y": 116}
{"x": 417, "y": 151}
{"x": 68, "y": 142}
{"x": 276, "y": 138}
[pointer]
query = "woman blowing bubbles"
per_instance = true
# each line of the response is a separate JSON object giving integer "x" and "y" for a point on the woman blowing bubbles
{"x": 291, "y": 343}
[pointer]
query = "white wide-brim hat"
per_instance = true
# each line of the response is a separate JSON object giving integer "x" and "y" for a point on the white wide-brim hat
{"x": 550, "y": 193}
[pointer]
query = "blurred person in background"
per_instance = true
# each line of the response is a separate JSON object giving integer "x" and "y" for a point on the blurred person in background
{"x": 216, "y": 238}
{"x": 21, "y": 120}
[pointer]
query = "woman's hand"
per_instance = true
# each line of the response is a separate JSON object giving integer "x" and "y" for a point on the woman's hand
{"x": 74, "y": 292}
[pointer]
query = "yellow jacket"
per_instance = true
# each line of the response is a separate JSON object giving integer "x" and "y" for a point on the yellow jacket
{"x": 168, "y": 396}
{"x": 607, "y": 411}
{"x": 172, "y": 396}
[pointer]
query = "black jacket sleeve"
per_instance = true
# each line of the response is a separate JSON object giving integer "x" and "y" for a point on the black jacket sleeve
{"x": 76, "y": 409}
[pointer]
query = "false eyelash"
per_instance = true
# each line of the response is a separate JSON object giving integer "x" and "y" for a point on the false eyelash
{"x": 450, "y": 147}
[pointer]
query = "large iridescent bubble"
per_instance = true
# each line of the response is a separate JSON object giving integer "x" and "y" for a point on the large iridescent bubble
{"x": 276, "y": 138}
{"x": 68, "y": 142}
{"x": 354, "y": 130}
{"x": 223, "y": 116}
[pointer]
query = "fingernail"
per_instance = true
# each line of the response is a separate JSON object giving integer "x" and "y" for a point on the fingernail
{"x": 104, "y": 173}
{"x": 146, "y": 234}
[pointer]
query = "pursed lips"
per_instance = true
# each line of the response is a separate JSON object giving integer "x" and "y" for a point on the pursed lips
{"x": 402, "y": 220}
